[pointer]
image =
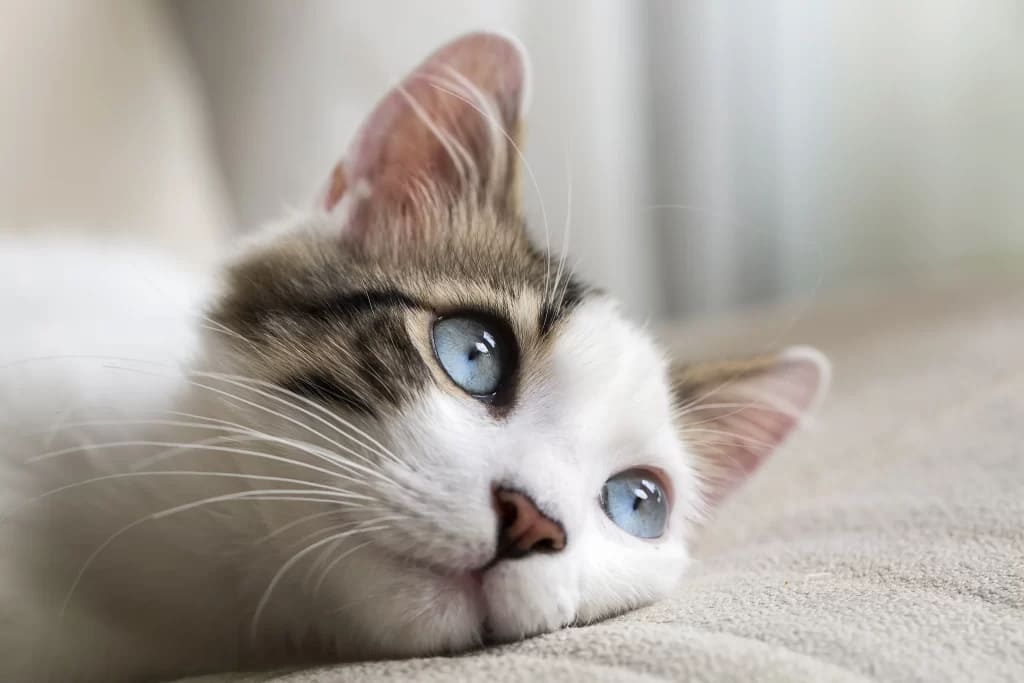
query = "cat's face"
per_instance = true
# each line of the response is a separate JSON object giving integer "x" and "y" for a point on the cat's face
{"x": 565, "y": 395}
{"x": 493, "y": 450}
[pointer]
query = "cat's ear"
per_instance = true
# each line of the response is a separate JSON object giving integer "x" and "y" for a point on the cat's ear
{"x": 734, "y": 414}
{"x": 448, "y": 131}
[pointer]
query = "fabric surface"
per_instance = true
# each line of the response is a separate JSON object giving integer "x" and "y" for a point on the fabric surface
{"x": 886, "y": 543}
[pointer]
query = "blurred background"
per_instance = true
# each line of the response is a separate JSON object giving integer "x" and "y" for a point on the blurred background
{"x": 721, "y": 154}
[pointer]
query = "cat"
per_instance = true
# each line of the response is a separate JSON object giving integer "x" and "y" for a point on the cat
{"x": 395, "y": 427}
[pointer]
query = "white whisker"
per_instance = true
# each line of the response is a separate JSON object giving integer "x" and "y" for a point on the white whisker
{"x": 181, "y": 447}
{"x": 294, "y": 523}
{"x": 334, "y": 563}
{"x": 230, "y": 395}
{"x": 265, "y": 598}
{"x": 241, "y": 382}
{"x": 314, "y": 487}
{"x": 242, "y": 434}
{"x": 244, "y": 495}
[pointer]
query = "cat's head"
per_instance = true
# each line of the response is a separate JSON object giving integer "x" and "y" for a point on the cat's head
{"x": 492, "y": 449}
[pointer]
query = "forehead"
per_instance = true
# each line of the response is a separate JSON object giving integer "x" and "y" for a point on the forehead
{"x": 353, "y": 320}
{"x": 601, "y": 363}
{"x": 468, "y": 258}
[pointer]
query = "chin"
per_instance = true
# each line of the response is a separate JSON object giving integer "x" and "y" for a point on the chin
{"x": 388, "y": 609}
{"x": 527, "y": 598}
{"x": 394, "y": 611}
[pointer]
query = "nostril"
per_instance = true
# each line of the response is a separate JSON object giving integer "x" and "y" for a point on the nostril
{"x": 545, "y": 545}
{"x": 507, "y": 513}
{"x": 523, "y": 528}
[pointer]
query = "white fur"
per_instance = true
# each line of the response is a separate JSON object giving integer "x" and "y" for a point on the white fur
{"x": 189, "y": 592}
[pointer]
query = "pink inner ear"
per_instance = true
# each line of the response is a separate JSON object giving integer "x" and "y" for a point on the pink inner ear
{"x": 451, "y": 119}
{"x": 747, "y": 419}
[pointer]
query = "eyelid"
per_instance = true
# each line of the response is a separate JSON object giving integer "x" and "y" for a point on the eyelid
{"x": 661, "y": 476}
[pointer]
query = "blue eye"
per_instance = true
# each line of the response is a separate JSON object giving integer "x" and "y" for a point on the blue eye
{"x": 635, "y": 500}
{"x": 477, "y": 354}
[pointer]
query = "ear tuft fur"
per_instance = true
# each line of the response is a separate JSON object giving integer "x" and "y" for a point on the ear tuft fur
{"x": 447, "y": 133}
{"x": 736, "y": 413}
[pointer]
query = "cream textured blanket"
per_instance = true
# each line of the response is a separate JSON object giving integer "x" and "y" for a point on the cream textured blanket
{"x": 885, "y": 543}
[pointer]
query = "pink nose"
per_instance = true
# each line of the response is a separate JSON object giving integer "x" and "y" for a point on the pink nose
{"x": 522, "y": 528}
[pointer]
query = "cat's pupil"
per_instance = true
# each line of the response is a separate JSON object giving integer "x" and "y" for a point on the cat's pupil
{"x": 478, "y": 350}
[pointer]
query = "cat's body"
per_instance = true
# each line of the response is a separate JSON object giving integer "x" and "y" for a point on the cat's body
{"x": 72, "y": 318}
{"x": 389, "y": 427}
{"x": 90, "y": 360}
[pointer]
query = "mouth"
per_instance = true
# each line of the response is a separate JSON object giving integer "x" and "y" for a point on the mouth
{"x": 466, "y": 588}
{"x": 471, "y": 582}
{"x": 458, "y": 591}
{"x": 468, "y": 583}
{"x": 465, "y": 591}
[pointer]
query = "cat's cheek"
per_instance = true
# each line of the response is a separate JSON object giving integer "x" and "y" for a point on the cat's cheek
{"x": 529, "y": 597}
